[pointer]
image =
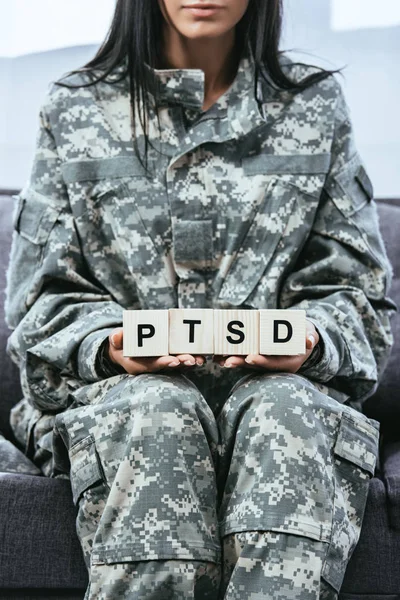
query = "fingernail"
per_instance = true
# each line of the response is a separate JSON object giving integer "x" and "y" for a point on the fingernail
{"x": 113, "y": 342}
{"x": 249, "y": 361}
{"x": 199, "y": 362}
{"x": 189, "y": 363}
{"x": 228, "y": 366}
{"x": 174, "y": 363}
{"x": 311, "y": 339}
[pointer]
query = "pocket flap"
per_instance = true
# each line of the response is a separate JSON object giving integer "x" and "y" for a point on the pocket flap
{"x": 295, "y": 164}
{"x": 104, "y": 168}
{"x": 193, "y": 242}
{"x": 34, "y": 217}
{"x": 357, "y": 442}
{"x": 85, "y": 468}
{"x": 365, "y": 182}
{"x": 355, "y": 187}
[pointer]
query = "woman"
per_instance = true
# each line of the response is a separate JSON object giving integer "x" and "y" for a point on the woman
{"x": 191, "y": 164}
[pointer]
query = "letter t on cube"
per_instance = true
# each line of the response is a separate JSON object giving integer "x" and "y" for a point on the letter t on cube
{"x": 282, "y": 332}
{"x": 191, "y": 331}
{"x": 145, "y": 332}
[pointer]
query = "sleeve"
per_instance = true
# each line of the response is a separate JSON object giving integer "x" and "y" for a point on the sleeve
{"x": 59, "y": 313}
{"x": 342, "y": 275}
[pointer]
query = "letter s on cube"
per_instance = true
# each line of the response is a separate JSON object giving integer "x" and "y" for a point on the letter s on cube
{"x": 236, "y": 331}
{"x": 146, "y": 332}
{"x": 282, "y": 332}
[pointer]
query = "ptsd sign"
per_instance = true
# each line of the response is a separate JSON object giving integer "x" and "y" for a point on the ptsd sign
{"x": 208, "y": 331}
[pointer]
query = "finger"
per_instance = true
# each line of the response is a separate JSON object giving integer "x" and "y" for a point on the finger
{"x": 258, "y": 360}
{"x": 218, "y": 358}
{"x": 161, "y": 362}
{"x": 312, "y": 336}
{"x": 312, "y": 340}
{"x": 135, "y": 366}
{"x": 232, "y": 362}
{"x": 189, "y": 360}
{"x": 289, "y": 364}
{"x": 222, "y": 358}
{"x": 186, "y": 359}
{"x": 200, "y": 360}
{"x": 116, "y": 338}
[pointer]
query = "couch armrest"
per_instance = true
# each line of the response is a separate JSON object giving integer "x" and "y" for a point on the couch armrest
{"x": 391, "y": 478}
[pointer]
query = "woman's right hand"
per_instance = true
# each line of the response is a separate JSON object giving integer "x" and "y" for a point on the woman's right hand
{"x": 135, "y": 366}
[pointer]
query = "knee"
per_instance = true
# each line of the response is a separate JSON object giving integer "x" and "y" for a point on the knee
{"x": 276, "y": 394}
{"x": 155, "y": 393}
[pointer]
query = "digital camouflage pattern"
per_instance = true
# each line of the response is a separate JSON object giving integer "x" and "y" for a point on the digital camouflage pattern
{"x": 152, "y": 513}
{"x": 13, "y": 460}
{"x": 261, "y": 202}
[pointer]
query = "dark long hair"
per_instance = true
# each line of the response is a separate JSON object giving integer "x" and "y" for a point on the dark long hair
{"x": 134, "y": 40}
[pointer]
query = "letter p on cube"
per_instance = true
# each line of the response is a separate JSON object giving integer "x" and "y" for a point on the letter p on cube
{"x": 146, "y": 332}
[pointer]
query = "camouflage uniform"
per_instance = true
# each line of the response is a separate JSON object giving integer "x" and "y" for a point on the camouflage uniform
{"x": 185, "y": 487}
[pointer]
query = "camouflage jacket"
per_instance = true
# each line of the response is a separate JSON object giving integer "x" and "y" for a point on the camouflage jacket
{"x": 260, "y": 202}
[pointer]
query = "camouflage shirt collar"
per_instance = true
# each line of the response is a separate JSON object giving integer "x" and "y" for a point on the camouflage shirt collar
{"x": 240, "y": 107}
{"x": 181, "y": 86}
{"x": 187, "y": 86}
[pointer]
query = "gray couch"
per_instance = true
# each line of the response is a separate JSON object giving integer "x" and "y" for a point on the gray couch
{"x": 40, "y": 556}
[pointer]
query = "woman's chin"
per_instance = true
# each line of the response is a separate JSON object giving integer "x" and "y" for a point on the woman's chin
{"x": 203, "y": 31}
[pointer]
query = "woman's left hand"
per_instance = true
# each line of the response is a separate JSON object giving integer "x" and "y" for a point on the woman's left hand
{"x": 287, "y": 364}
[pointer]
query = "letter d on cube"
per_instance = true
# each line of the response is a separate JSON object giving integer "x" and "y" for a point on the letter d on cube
{"x": 282, "y": 332}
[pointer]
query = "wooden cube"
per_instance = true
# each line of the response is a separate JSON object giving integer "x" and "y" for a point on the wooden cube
{"x": 282, "y": 332}
{"x": 236, "y": 332}
{"x": 191, "y": 331}
{"x": 145, "y": 332}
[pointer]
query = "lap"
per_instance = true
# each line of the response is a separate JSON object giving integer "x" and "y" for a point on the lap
{"x": 293, "y": 401}
{"x": 286, "y": 447}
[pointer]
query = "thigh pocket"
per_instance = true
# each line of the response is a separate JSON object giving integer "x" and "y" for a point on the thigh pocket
{"x": 354, "y": 459}
{"x": 86, "y": 470}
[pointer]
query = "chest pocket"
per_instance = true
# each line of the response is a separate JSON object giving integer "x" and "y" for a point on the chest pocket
{"x": 121, "y": 215}
{"x": 34, "y": 219}
{"x": 281, "y": 223}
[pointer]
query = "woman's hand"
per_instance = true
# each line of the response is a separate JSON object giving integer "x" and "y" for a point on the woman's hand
{"x": 287, "y": 364}
{"x": 135, "y": 366}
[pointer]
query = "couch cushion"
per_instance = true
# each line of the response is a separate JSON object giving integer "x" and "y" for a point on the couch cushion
{"x": 9, "y": 377}
{"x": 391, "y": 462}
{"x": 385, "y": 404}
{"x": 374, "y": 567}
{"x": 40, "y": 594}
{"x": 39, "y": 547}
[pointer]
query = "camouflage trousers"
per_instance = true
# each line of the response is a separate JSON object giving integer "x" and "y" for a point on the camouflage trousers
{"x": 264, "y": 500}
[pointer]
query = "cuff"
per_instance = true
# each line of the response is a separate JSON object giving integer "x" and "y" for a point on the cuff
{"x": 323, "y": 363}
{"x": 88, "y": 356}
{"x": 104, "y": 366}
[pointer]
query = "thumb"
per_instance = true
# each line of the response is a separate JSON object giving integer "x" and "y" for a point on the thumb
{"x": 312, "y": 337}
{"x": 116, "y": 338}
